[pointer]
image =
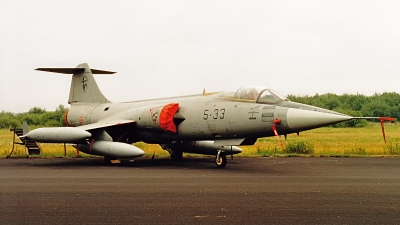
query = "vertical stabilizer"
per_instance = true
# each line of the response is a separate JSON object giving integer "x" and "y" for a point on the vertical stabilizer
{"x": 84, "y": 87}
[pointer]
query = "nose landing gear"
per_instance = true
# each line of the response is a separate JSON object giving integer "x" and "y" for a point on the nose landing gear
{"x": 220, "y": 159}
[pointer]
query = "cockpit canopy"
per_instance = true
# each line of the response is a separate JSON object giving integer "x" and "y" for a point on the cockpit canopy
{"x": 256, "y": 93}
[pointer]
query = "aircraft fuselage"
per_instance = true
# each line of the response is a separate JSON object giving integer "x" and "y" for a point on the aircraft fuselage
{"x": 203, "y": 117}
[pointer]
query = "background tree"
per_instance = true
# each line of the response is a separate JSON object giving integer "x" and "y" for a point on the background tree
{"x": 36, "y": 117}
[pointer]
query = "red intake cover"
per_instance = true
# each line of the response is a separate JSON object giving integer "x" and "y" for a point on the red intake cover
{"x": 166, "y": 118}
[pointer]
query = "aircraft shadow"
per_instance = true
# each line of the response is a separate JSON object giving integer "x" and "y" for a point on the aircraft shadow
{"x": 165, "y": 163}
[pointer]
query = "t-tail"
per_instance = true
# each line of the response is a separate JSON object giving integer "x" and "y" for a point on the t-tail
{"x": 83, "y": 85}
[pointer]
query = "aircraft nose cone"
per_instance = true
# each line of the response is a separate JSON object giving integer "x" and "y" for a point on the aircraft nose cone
{"x": 300, "y": 119}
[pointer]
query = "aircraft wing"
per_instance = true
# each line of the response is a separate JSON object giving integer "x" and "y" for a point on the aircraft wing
{"x": 104, "y": 124}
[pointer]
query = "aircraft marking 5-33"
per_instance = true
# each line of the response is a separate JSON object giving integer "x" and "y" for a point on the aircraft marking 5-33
{"x": 216, "y": 114}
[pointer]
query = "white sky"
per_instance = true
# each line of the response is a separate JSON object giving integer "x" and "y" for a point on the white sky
{"x": 167, "y": 48}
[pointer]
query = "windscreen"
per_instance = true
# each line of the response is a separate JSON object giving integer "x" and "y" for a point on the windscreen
{"x": 270, "y": 96}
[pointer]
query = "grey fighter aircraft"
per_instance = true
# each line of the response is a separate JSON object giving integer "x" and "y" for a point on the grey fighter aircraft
{"x": 207, "y": 123}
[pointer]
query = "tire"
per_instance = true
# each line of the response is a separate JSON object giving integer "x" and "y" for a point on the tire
{"x": 176, "y": 155}
{"x": 221, "y": 162}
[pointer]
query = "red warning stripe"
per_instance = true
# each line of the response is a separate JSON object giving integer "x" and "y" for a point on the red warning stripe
{"x": 66, "y": 118}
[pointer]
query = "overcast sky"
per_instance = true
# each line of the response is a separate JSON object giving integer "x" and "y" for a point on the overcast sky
{"x": 169, "y": 48}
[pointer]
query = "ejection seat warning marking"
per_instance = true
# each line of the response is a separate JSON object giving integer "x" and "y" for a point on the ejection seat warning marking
{"x": 252, "y": 112}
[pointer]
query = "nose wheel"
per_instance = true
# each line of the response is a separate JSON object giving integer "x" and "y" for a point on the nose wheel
{"x": 220, "y": 159}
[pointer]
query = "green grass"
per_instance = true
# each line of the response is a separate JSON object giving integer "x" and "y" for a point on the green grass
{"x": 321, "y": 142}
{"x": 329, "y": 141}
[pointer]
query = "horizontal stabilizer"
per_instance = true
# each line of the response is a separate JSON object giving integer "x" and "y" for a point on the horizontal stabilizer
{"x": 74, "y": 70}
{"x": 83, "y": 85}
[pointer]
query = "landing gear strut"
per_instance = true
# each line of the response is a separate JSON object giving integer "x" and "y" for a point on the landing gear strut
{"x": 220, "y": 159}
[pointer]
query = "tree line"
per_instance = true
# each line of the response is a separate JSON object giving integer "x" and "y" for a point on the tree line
{"x": 385, "y": 104}
{"x": 378, "y": 105}
{"x": 34, "y": 117}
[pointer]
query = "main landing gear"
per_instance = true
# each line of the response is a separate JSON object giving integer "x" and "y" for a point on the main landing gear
{"x": 176, "y": 155}
{"x": 220, "y": 158}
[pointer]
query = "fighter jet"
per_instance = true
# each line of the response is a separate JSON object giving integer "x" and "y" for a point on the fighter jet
{"x": 207, "y": 123}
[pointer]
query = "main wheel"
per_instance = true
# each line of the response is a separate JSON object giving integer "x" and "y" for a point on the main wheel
{"x": 176, "y": 155}
{"x": 220, "y": 161}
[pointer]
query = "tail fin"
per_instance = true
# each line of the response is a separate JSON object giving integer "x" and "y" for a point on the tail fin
{"x": 83, "y": 85}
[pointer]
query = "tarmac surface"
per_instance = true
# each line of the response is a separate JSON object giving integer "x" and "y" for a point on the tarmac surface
{"x": 193, "y": 191}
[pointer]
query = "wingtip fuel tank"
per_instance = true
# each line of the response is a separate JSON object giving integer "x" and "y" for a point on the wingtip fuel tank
{"x": 58, "y": 135}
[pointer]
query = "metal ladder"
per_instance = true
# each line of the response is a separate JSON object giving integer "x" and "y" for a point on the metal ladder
{"x": 32, "y": 147}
